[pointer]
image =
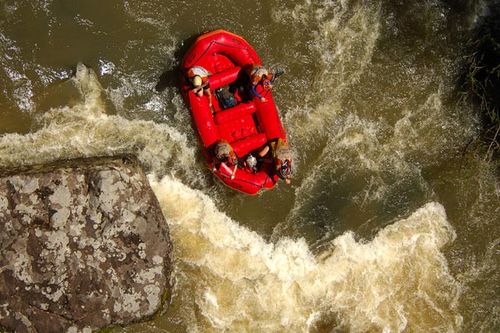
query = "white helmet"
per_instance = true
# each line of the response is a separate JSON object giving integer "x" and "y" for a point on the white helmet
{"x": 251, "y": 161}
{"x": 197, "y": 81}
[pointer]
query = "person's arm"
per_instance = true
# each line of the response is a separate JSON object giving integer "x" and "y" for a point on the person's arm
{"x": 209, "y": 96}
{"x": 226, "y": 170}
{"x": 263, "y": 152}
{"x": 197, "y": 91}
{"x": 255, "y": 93}
{"x": 234, "y": 171}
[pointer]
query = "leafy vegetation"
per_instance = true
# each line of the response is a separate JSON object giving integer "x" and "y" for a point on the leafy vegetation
{"x": 481, "y": 76}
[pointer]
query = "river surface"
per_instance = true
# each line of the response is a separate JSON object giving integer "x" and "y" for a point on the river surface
{"x": 391, "y": 223}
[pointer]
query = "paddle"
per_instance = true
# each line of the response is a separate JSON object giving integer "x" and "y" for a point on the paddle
{"x": 279, "y": 71}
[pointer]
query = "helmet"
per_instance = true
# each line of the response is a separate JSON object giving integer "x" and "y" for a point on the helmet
{"x": 223, "y": 151}
{"x": 251, "y": 161}
{"x": 282, "y": 151}
{"x": 197, "y": 81}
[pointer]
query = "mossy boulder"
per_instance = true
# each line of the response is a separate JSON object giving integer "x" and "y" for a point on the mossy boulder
{"x": 83, "y": 245}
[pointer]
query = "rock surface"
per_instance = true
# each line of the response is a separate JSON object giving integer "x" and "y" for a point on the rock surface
{"x": 83, "y": 245}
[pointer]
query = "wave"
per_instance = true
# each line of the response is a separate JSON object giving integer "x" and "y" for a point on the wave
{"x": 398, "y": 281}
{"x": 86, "y": 130}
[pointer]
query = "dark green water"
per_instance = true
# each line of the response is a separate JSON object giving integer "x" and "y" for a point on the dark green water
{"x": 391, "y": 221}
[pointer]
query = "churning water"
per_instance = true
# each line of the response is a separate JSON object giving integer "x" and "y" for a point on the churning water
{"x": 391, "y": 222}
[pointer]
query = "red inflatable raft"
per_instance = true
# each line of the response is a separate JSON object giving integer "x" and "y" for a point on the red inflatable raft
{"x": 249, "y": 125}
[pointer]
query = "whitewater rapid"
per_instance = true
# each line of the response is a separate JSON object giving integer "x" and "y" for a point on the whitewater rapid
{"x": 397, "y": 281}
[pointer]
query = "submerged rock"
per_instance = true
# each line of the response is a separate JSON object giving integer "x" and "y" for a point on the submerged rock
{"x": 83, "y": 245}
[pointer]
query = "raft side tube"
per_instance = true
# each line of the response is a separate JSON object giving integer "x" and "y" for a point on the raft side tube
{"x": 236, "y": 112}
{"x": 220, "y": 41}
{"x": 224, "y": 78}
{"x": 268, "y": 118}
{"x": 248, "y": 144}
{"x": 203, "y": 119}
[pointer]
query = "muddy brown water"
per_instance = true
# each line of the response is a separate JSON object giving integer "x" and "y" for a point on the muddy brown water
{"x": 391, "y": 221}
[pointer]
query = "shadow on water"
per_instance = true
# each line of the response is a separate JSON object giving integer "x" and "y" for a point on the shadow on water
{"x": 479, "y": 80}
{"x": 462, "y": 7}
{"x": 170, "y": 78}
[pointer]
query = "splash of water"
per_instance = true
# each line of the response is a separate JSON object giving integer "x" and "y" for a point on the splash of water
{"x": 398, "y": 281}
{"x": 342, "y": 38}
{"x": 86, "y": 130}
{"x": 365, "y": 132}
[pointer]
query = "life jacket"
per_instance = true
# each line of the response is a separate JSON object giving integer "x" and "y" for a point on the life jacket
{"x": 283, "y": 158}
{"x": 284, "y": 169}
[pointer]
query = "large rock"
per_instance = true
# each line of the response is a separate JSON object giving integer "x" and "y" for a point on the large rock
{"x": 83, "y": 245}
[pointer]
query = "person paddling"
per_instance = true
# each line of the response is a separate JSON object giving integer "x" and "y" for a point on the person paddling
{"x": 260, "y": 75}
{"x": 198, "y": 77}
{"x": 282, "y": 160}
{"x": 226, "y": 158}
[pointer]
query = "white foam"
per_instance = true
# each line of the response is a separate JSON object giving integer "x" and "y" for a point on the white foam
{"x": 342, "y": 38}
{"x": 106, "y": 67}
{"x": 86, "y": 130}
{"x": 399, "y": 280}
